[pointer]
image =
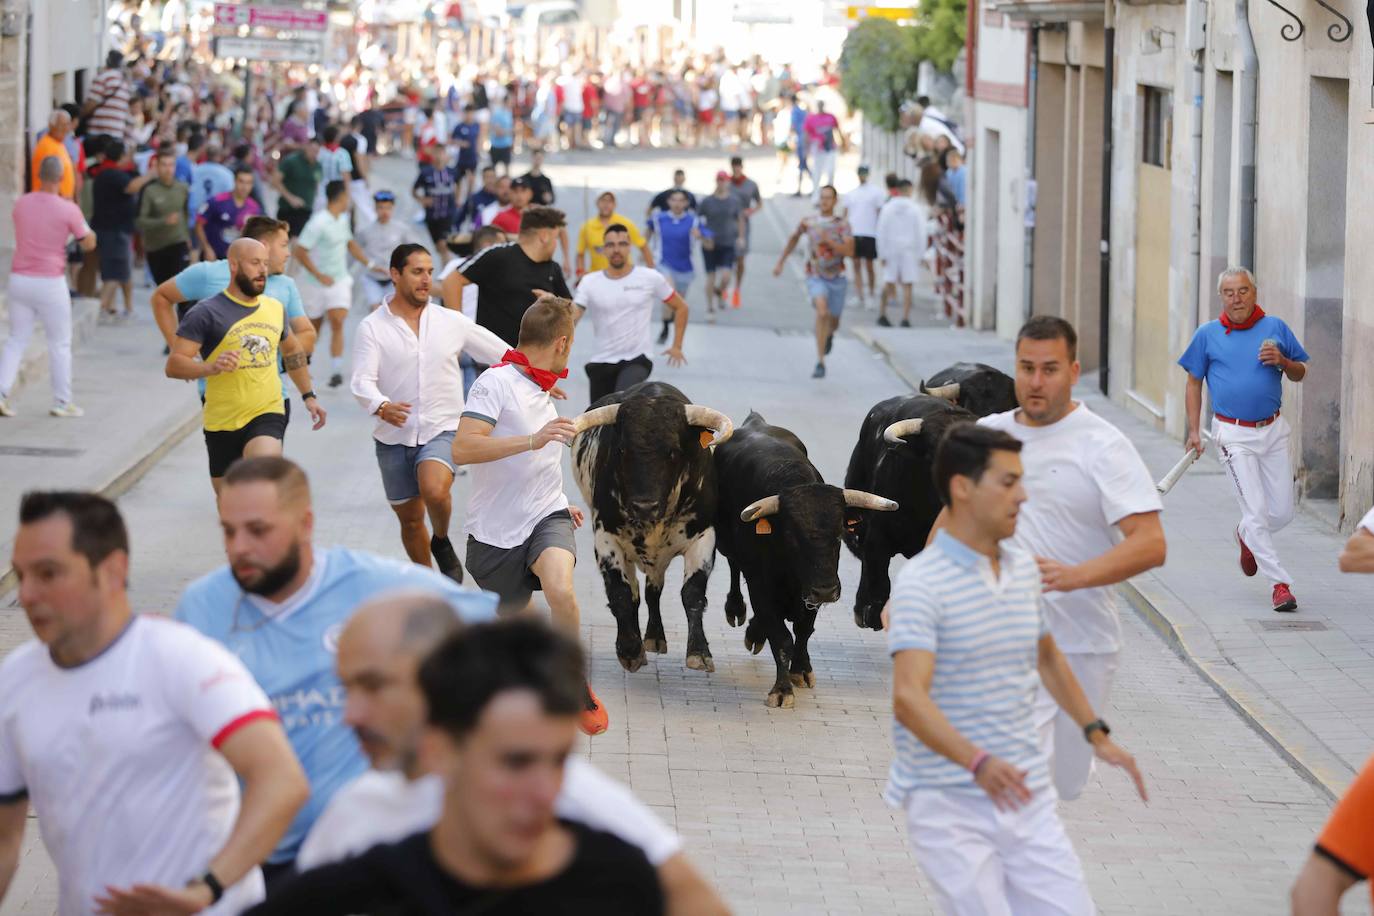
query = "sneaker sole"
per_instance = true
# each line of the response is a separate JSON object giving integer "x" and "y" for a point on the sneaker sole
{"x": 1286, "y": 608}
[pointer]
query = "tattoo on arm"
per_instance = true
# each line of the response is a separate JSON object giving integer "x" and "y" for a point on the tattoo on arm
{"x": 293, "y": 361}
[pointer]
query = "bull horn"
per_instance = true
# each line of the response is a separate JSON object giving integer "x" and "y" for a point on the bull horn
{"x": 861, "y": 499}
{"x": 896, "y": 431}
{"x": 948, "y": 392}
{"x": 757, "y": 510}
{"x": 710, "y": 419}
{"x": 597, "y": 416}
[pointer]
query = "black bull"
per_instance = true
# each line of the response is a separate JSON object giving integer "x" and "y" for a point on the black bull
{"x": 779, "y": 524}
{"x": 642, "y": 460}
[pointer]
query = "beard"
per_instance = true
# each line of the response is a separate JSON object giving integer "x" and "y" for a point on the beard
{"x": 274, "y": 578}
{"x": 250, "y": 285}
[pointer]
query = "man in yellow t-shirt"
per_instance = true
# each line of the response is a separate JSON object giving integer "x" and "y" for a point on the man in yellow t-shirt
{"x": 593, "y": 235}
{"x": 50, "y": 144}
{"x": 237, "y": 334}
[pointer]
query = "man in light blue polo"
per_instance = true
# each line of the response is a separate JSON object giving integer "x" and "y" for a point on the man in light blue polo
{"x": 970, "y": 644}
{"x": 280, "y": 605}
{"x": 1243, "y": 356}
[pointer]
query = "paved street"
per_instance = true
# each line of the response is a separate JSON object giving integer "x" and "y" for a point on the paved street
{"x": 780, "y": 807}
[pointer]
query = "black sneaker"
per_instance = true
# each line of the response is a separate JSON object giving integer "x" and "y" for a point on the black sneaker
{"x": 445, "y": 558}
{"x": 906, "y": 322}
{"x": 883, "y": 322}
{"x": 819, "y": 371}
{"x": 335, "y": 380}
{"x": 829, "y": 344}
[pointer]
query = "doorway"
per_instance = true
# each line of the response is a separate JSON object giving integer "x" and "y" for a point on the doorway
{"x": 1151, "y": 363}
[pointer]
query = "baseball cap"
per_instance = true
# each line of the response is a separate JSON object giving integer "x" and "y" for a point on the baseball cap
{"x": 521, "y": 182}
{"x": 863, "y": 170}
{"x": 384, "y": 197}
{"x": 722, "y": 175}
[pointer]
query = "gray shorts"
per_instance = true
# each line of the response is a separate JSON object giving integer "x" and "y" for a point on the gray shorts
{"x": 400, "y": 465}
{"x": 507, "y": 572}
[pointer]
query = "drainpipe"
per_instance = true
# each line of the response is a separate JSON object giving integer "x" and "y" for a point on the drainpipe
{"x": 1197, "y": 50}
{"x": 1031, "y": 86}
{"x": 1248, "y": 103}
{"x": 1105, "y": 269}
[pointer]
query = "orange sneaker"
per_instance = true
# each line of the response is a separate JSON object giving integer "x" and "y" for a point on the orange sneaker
{"x": 593, "y": 720}
{"x": 734, "y": 298}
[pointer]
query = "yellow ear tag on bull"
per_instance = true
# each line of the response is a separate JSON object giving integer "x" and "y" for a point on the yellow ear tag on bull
{"x": 763, "y": 527}
{"x": 706, "y": 437}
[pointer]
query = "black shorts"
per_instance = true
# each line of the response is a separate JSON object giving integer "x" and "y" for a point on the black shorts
{"x": 507, "y": 571}
{"x": 500, "y": 155}
{"x": 439, "y": 229}
{"x": 294, "y": 219}
{"x": 608, "y": 378}
{"x": 226, "y": 446}
{"x": 866, "y": 247}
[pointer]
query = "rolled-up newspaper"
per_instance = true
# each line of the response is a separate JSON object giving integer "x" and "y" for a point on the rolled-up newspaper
{"x": 1166, "y": 483}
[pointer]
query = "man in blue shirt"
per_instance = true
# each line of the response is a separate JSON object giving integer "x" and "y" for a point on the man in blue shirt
{"x": 209, "y": 179}
{"x": 674, "y": 229}
{"x": 210, "y": 278}
{"x": 435, "y": 188}
{"x": 280, "y": 605}
{"x": 467, "y": 138}
{"x": 1243, "y": 356}
{"x": 501, "y": 126}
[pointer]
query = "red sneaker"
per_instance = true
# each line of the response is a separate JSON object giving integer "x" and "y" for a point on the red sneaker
{"x": 734, "y": 298}
{"x": 1283, "y": 598}
{"x": 593, "y": 720}
{"x": 1247, "y": 559}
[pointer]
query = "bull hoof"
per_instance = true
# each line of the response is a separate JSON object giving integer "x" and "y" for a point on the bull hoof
{"x": 632, "y": 664}
{"x": 701, "y": 663}
{"x": 778, "y": 699}
{"x": 859, "y": 620}
{"x": 752, "y": 646}
{"x": 735, "y": 610}
{"x": 807, "y": 679}
{"x": 655, "y": 645}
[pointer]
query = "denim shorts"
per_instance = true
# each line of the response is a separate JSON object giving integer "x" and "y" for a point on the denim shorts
{"x": 832, "y": 290}
{"x": 681, "y": 280}
{"x": 399, "y": 465}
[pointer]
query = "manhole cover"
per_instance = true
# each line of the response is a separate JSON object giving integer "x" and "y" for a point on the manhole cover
{"x": 1300, "y": 625}
{"x": 36, "y": 451}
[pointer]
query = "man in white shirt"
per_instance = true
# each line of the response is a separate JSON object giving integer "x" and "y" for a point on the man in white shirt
{"x": 406, "y": 374}
{"x": 1085, "y": 482}
{"x": 380, "y": 651}
{"x": 861, "y": 207}
{"x": 107, "y": 723}
{"x": 622, "y": 301}
{"x": 520, "y": 524}
{"x": 901, "y": 242}
{"x": 379, "y": 239}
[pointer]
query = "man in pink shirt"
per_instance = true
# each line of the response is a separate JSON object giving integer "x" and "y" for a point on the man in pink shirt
{"x": 38, "y": 285}
{"x": 823, "y": 137}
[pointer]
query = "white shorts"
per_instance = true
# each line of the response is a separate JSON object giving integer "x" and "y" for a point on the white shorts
{"x": 318, "y": 299}
{"x": 985, "y": 862}
{"x": 902, "y": 268}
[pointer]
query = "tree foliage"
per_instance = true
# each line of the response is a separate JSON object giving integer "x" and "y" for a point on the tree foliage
{"x": 879, "y": 62}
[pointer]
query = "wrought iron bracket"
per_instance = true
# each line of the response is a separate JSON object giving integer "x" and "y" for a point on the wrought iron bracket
{"x": 1337, "y": 31}
{"x": 1291, "y": 31}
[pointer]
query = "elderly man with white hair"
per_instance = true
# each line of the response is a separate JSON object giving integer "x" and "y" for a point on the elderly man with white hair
{"x": 1243, "y": 356}
{"x": 38, "y": 285}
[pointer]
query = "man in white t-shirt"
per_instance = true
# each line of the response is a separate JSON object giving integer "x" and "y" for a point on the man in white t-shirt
{"x": 1085, "y": 483}
{"x": 520, "y": 524}
{"x": 861, "y": 207}
{"x": 107, "y": 723}
{"x": 380, "y": 651}
{"x": 622, "y": 301}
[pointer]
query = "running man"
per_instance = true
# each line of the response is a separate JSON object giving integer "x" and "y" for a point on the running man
{"x": 406, "y": 373}
{"x": 436, "y": 189}
{"x": 237, "y": 335}
{"x": 901, "y": 243}
{"x": 280, "y": 603}
{"x": 861, "y": 207}
{"x": 378, "y": 240}
{"x": 622, "y": 301}
{"x": 724, "y": 217}
{"x": 829, "y": 242}
{"x": 380, "y": 653}
{"x": 118, "y": 727}
{"x": 327, "y": 289}
{"x": 750, "y": 200}
{"x": 222, "y": 217}
{"x": 969, "y": 641}
{"x": 662, "y": 199}
{"x": 508, "y": 219}
{"x": 520, "y": 524}
{"x": 593, "y": 231}
{"x": 1244, "y": 356}
{"x": 675, "y": 229}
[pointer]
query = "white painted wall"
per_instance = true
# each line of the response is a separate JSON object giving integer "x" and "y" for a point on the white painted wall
{"x": 997, "y": 284}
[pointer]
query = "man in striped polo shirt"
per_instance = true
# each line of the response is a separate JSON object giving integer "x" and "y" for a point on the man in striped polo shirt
{"x": 969, "y": 646}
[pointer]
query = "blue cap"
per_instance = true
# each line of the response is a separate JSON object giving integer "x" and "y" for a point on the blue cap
{"x": 384, "y": 197}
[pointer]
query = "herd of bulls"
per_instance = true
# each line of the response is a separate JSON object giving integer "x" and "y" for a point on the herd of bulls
{"x": 666, "y": 478}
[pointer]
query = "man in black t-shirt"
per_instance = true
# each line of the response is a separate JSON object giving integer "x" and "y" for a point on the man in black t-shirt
{"x": 510, "y": 277}
{"x": 503, "y": 701}
{"x": 539, "y": 182}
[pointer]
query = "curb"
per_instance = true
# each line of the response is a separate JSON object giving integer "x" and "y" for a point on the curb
{"x": 1194, "y": 644}
{"x": 123, "y": 480}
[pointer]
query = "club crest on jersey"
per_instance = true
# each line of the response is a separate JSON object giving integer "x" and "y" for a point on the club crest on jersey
{"x": 331, "y": 638}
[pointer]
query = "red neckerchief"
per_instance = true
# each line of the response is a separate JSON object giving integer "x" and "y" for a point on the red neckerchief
{"x": 541, "y": 377}
{"x": 1249, "y": 323}
{"x": 332, "y": 147}
{"x": 738, "y": 179}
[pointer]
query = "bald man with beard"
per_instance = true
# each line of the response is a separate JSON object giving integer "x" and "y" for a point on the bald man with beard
{"x": 380, "y": 652}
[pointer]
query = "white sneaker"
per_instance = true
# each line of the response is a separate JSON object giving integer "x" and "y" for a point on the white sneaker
{"x": 67, "y": 410}
{"x": 5, "y": 409}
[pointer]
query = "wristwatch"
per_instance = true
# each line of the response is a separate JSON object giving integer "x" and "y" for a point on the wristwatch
{"x": 210, "y": 881}
{"x": 1094, "y": 726}
{"x": 305, "y": 396}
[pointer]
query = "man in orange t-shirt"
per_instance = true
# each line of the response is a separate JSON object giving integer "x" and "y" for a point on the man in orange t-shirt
{"x": 50, "y": 144}
{"x": 1344, "y": 854}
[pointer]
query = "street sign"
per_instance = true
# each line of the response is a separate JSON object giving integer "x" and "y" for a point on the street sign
{"x": 294, "y": 50}
{"x": 881, "y": 12}
{"x": 760, "y": 11}
{"x": 234, "y": 14}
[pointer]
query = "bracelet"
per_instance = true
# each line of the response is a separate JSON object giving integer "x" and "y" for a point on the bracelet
{"x": 978, "y": 760}
{"x": 216, "y": 889}
{"x": 531, "y": 441}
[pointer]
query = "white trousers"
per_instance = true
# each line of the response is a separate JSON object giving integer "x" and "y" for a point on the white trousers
{"x": 985, "y": 862}
{"x": 1257, "y": 463}
{"x": 46, "y": 300}
{"x": 1071, "y": 757}
{"x": 822, "y": 168}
